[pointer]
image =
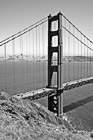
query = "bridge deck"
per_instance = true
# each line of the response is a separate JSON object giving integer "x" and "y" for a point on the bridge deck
{"x": 37, "y": 94}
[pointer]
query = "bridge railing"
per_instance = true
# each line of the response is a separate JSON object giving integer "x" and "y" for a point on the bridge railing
{"x": 23, "y": 59}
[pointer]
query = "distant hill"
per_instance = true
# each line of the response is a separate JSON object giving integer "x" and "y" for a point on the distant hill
{"x": 45, "y": 58}
{"x": 77, "y": 58}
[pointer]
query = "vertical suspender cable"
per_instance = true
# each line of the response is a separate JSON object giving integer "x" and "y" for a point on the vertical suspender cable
{"x": 84, "y": 60}
{"x": 90, "y": 59}
{"x": 22, "y": 55}
{"x": 20, "y": 64}
{"x": 43, "y": 51}
{"x": 36, "y": 58}
{"x": 31, "y": 71}
{"x": 87, "y": 59}
{"x": 73, "y": 54}
{"x": 69, "y": 50}
{"x": 81, "y": 56}
{"x": 78, "y": 55}
{"x": 39, "y": 36}
{"x": 5, "y": 67}
{"x": 77, "y": 52}
{"x": 13, "y": 51}
{"x": 44, "y": 65}
{"x": 75, "y": 74}
{"x": 29, "y": 60}
{"x": 33, "y": 80}
{"x": 23, "y": 63}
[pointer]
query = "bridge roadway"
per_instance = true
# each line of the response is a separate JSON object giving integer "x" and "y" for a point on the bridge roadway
{"x": 40, "y": 93}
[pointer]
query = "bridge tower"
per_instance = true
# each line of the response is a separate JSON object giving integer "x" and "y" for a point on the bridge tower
{"x": 55, "y": 102}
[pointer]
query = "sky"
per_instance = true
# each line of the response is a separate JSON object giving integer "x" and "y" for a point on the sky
{"x": 15, "y": 15}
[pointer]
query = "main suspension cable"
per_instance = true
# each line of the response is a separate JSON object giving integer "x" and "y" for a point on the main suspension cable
{"x": 23, "y": 31}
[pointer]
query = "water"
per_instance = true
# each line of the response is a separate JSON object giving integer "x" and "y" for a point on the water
{"x": 23, "y": 76}
{"x": 78, "y": 106}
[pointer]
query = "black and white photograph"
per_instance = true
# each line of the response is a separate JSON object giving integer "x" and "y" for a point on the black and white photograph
{"x": 46, "y": 70}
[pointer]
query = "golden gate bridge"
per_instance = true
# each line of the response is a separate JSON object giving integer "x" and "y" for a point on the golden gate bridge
{"x": 46, "y": 59}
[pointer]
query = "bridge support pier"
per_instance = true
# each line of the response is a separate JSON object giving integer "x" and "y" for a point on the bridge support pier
{"x": 55, "y": 102}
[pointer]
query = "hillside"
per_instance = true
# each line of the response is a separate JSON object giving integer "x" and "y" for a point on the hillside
{"x": 27, "y": 120}
{"x": 78, "y": 58}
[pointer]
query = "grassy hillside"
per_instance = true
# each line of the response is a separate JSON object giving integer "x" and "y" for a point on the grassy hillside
{"x": 26, "y": 120}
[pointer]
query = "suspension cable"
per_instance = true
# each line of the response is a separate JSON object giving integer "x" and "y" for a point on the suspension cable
{"x": 23, "y": 31}
{"x": 77, "y": 38}
{"x": 76, "y": 28}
